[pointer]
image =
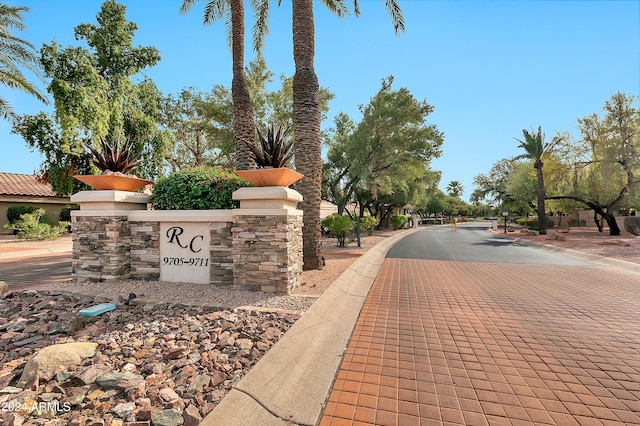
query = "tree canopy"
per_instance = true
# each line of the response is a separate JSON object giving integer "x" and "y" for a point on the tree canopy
{"x": 95, "y": 96}
{"x": 597, "y": 170}
{"x": 384, "y": 160}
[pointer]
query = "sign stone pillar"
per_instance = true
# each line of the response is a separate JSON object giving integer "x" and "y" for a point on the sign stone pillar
{"x": 267, "y": 239}
{"x": 101, "y": 234}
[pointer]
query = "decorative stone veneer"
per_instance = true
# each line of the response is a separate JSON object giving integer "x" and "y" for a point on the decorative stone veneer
{"x": 100, "y": 248}
{"x": 145, "y": 250}
{"x": 267, "y": 252}
{"x": 255, "y": 247}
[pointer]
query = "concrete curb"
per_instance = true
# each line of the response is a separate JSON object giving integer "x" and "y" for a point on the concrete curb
{"x": 290, "y": 384}
{"x": 609, "y": 261}
{"x": 34, "y": 252}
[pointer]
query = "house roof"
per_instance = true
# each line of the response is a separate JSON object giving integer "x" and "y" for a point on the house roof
{"x": 19, "y": 184}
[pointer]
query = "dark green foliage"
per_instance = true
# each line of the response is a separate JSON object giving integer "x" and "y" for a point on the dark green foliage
{"x": 533, "y": 224}
{"x": 632, "y": 224}
{"x": 576, "y": 222}
{"x": 65, "y": 212}
{"x": 340, "y": 227}
{"x": 522, "y": 221}
{"x": 14, "y": 213}
{"x": 398, "y": 221}
{"x": 199, "y": 188}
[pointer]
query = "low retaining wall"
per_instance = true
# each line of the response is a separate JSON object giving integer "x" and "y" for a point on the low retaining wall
{"x": 115, "y": 237}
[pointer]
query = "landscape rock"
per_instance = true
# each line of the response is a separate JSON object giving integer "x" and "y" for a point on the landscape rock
{"x": 174, "y": 363}
{"x": 111, "y": 380}
{"x": 172, "y": 417}
{"x": 191, "y": 416}
{"x": 62, "y": 355}
{"x": 4, "y": 287}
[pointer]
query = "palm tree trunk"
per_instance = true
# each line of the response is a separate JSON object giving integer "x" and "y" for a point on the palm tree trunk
{"x": 243, "y": 123}
{"x": 306, "y": 130}
{"x": 542, "y": 216}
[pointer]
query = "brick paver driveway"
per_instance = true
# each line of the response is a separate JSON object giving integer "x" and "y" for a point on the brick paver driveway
{"x": 479, "y": 343}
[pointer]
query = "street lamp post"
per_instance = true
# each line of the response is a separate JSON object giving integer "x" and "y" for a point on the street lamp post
{"x": 505, "y": 214}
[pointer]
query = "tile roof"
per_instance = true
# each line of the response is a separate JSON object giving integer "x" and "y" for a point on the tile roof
{"x": 19, "y": 184}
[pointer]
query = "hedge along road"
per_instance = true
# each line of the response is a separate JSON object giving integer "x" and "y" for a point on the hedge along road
{"x": 472, "y": 243}
{"x": 30, "y": 271}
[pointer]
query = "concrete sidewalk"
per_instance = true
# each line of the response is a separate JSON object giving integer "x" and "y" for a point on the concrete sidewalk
{"x": 15, "y": 248}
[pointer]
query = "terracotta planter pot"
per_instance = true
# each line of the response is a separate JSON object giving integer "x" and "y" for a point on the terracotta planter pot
{"x": 270, "y": 177}
{"x": 113, "y": 182}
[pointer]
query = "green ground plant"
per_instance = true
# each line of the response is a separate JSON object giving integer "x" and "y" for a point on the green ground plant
{"x": 398, "y": 221}
{"x": 369, "y": 223}
{"x": 30, "y": 227}
{"x": 340, "y": 227}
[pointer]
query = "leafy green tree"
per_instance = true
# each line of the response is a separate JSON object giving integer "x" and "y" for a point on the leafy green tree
{"x": 522, "y": 189}
{"x": 492, "y": 187}
{"x": 95, "y": 96}
{"x": 201, "y": 128}
{"x": 535, "y": 147}
{"x": 201, "y": 123}
{"x": 16, "y": 55}
{"x": 307, "y": 118}
{"x": 601, "y": 168}
{"x": 455, "y": 188}
{"x": 384, "y": 159}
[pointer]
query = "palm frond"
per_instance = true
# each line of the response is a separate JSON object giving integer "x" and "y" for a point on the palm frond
{"x": 397, "y": 18}
{"x": 260, "y": 28}
{"x": 337, "y": 7}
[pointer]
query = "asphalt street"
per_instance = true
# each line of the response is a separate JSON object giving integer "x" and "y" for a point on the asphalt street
{"x": 472, "y": 243}
{"x": 25, "y": 272}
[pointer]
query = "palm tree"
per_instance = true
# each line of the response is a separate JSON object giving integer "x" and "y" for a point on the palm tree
{"x": 535, "y": 147}
{"x": 243, "y": 123}
{"x": 455, "y": 188}
{"x": 306, "y": 116}
{"x": 16, "y": 53}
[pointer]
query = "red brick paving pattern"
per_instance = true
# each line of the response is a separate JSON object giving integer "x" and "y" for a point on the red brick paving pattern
{"x": 492, "y": 344}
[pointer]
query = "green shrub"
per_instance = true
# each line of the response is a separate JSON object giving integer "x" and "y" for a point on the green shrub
{"x": 340, "y": 227}
{"x": 200, "y": 188}
{"x": 522, "y": 221}
{"x": 65, "y": 212}
{"x": 576, "y": 222}
{"x": 632, "y": 224}
{"x": 533, "y": 224}
{"x": 398, "y": 221}
{"x": 14, "y": 213}
{"x": 30, "y": 227}
{"x": 369, "y": 223}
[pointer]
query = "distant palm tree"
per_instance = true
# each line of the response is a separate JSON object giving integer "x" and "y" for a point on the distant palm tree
{"x": 535, "y": 147}
{"x": 233, "y": 10}
{"x": 455, "y": 188}
{"x": 306, "y": 116}
{"x": 16, "y": 53}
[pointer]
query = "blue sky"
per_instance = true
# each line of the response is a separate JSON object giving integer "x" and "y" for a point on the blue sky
{"x": 490, "y": 68}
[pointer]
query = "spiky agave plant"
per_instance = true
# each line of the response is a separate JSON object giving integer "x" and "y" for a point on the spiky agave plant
{"x": 115, "y": 156}
{"x": 274, "y": 150}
